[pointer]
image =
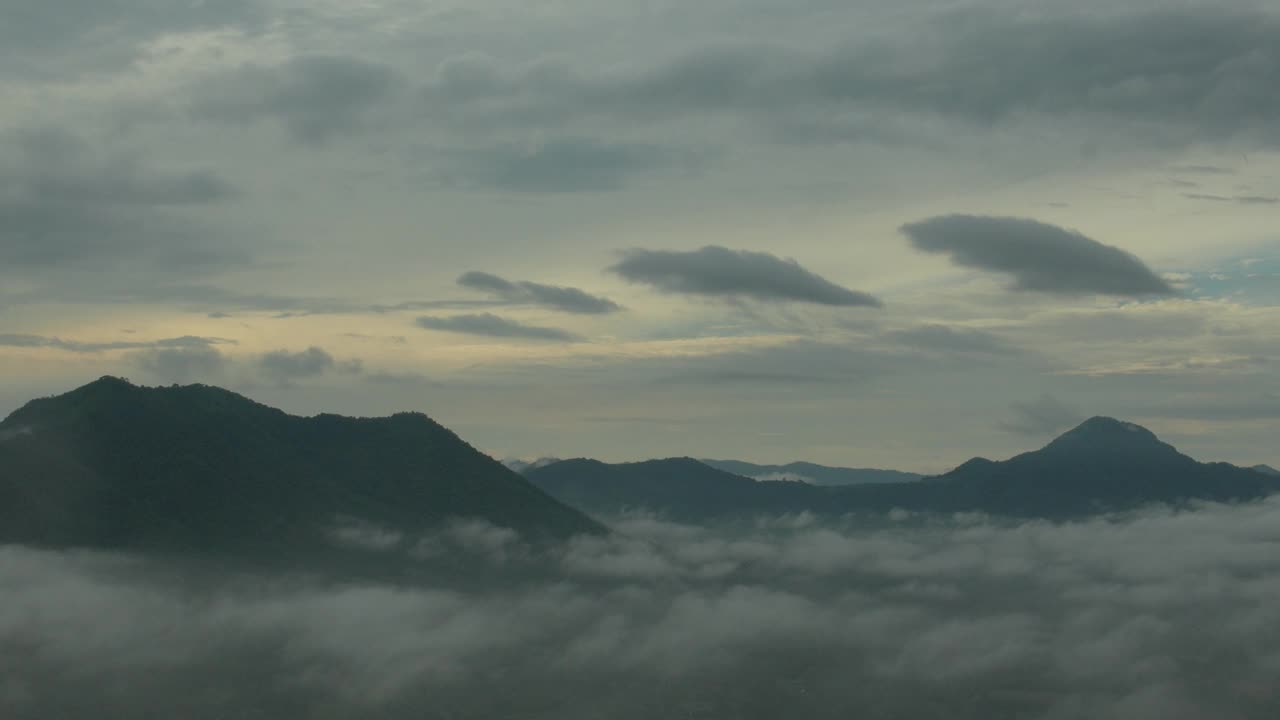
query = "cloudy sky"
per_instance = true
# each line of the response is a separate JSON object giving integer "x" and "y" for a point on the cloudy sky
{"x": 868, "y": 233}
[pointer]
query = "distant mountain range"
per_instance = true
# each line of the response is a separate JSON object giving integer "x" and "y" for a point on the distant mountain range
{"x": 1102, "y": 465}
{"x": 114, "y": 465}
{"x": 811, "y": 473}
{"x": 523, "y": 466}
{"x": 1266, "y": 470}
{"x": 199, "y": 468}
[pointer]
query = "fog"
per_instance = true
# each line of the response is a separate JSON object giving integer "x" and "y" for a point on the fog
{"x": 1148, "y": 615}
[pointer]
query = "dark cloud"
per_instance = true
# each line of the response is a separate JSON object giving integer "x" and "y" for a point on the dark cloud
{"x": 1047, "y": 415}
{"x": 1039, "y": 257}
{"x": 720, "y": 272}
{"x": 899, "y": 616}
{"x": 1168, "y": 75}
{"x": 283, "y": 366}
{"x": 182, "y": 365}
{"x": 186, "y": 342}
{"x": 1238, "y": 199}
{"x": 566, "y": 299}
{"x": 1201, "y": 170}
{"x": 63, "y": 39}
{"x": 315, "y": 97}
{"x": 946, "y": 339}
{"x": 67, "y": 204}
{"x": 221, "y": 302}
{"x": 565, "y": 165}
{"x": 491, "y": 325}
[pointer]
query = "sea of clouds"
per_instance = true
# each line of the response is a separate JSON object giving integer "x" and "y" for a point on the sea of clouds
{"x": 1155, "y": 615}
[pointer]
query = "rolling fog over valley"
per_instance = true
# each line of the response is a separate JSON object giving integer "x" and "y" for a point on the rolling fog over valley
{"x": 710, "y": 359}
{"x": 1151, "y": 615}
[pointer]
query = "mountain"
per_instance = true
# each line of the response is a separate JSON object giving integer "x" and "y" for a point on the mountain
{"x": 812, "y": 473}
{"x": 1265, "y": 470}
{"x": 680, "y": 487}
{"x": 523, "y": 466}
{"x": 114, "y": 465}
{"x": 1102, "y": 465}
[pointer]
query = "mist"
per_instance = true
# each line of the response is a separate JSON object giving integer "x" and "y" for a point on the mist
{"x": 1156, "y": 614}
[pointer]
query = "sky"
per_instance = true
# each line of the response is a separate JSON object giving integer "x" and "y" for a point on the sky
{"x": 859, "y": 233}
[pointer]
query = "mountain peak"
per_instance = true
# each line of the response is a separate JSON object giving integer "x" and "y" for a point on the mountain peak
{"x": 1106, "y": 433}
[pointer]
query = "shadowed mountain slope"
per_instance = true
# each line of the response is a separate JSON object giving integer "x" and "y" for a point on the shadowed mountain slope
{"x": 114, "y": 465}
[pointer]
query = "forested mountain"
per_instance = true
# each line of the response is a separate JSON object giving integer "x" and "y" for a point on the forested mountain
{"x": 114, "y": 465}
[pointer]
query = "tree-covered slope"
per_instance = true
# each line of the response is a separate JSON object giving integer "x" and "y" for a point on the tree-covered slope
{"x": 112, "y": 464}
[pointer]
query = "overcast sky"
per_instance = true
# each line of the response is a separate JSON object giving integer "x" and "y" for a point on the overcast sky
{"x": 865, "y": 233}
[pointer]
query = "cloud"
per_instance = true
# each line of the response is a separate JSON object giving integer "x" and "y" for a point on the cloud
{"x": 491, "y": 325}
{"x": 557, "y": 166}
{"x": 1046, "y": 415}
{"x": 946, "y": 339}
{"x": 1237, "y": 199}
{"x": 1220, "y": 408}
{"x": 182, "y": 365}
{"x": 962, "y": 617}
{"x": 1039, "y": 257}
{"x": 186, "y": 342}
{"x": 715, "y": 271}
{"x": 67, "y": 204}
{"x": 1128, "y": 68}
{"x": 565, "y": 299}
{"x": 284, "y": 367}
{"x": 1201, "y": 170}
{"x": 316, "y": 97}
{"x": 799, "y": 362}
{"x": 67, "y": 39}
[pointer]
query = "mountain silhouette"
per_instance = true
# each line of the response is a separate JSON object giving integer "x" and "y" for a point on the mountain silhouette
{"x": 812, "y": 473}
{"x": 1265, "y": 469}
{"x": 114, "y": 465}
{"x": 1099, "y": 466}
{"x": 680, "y": 487}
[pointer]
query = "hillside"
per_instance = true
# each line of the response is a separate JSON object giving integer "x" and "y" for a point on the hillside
{"x": 114, "y": 465}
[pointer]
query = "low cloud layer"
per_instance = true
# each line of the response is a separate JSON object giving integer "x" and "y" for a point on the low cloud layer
{"x": 1038, "y": 256}
{"x": 715, "y": 271}
{"x": 961, "y": 618}
{"x": 490, "y": 325}
{"x": 82, "y": 346}
{"x": 565, "y": 299}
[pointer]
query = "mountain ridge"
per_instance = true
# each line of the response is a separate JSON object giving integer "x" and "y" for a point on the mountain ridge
{"x": 813, "y": 473}
{"x": 1101, "y": 465}
{"x": 115, "y": 465}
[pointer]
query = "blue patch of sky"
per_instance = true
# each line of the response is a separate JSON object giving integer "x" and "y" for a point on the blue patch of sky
{"x": 1254, "y": 280}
